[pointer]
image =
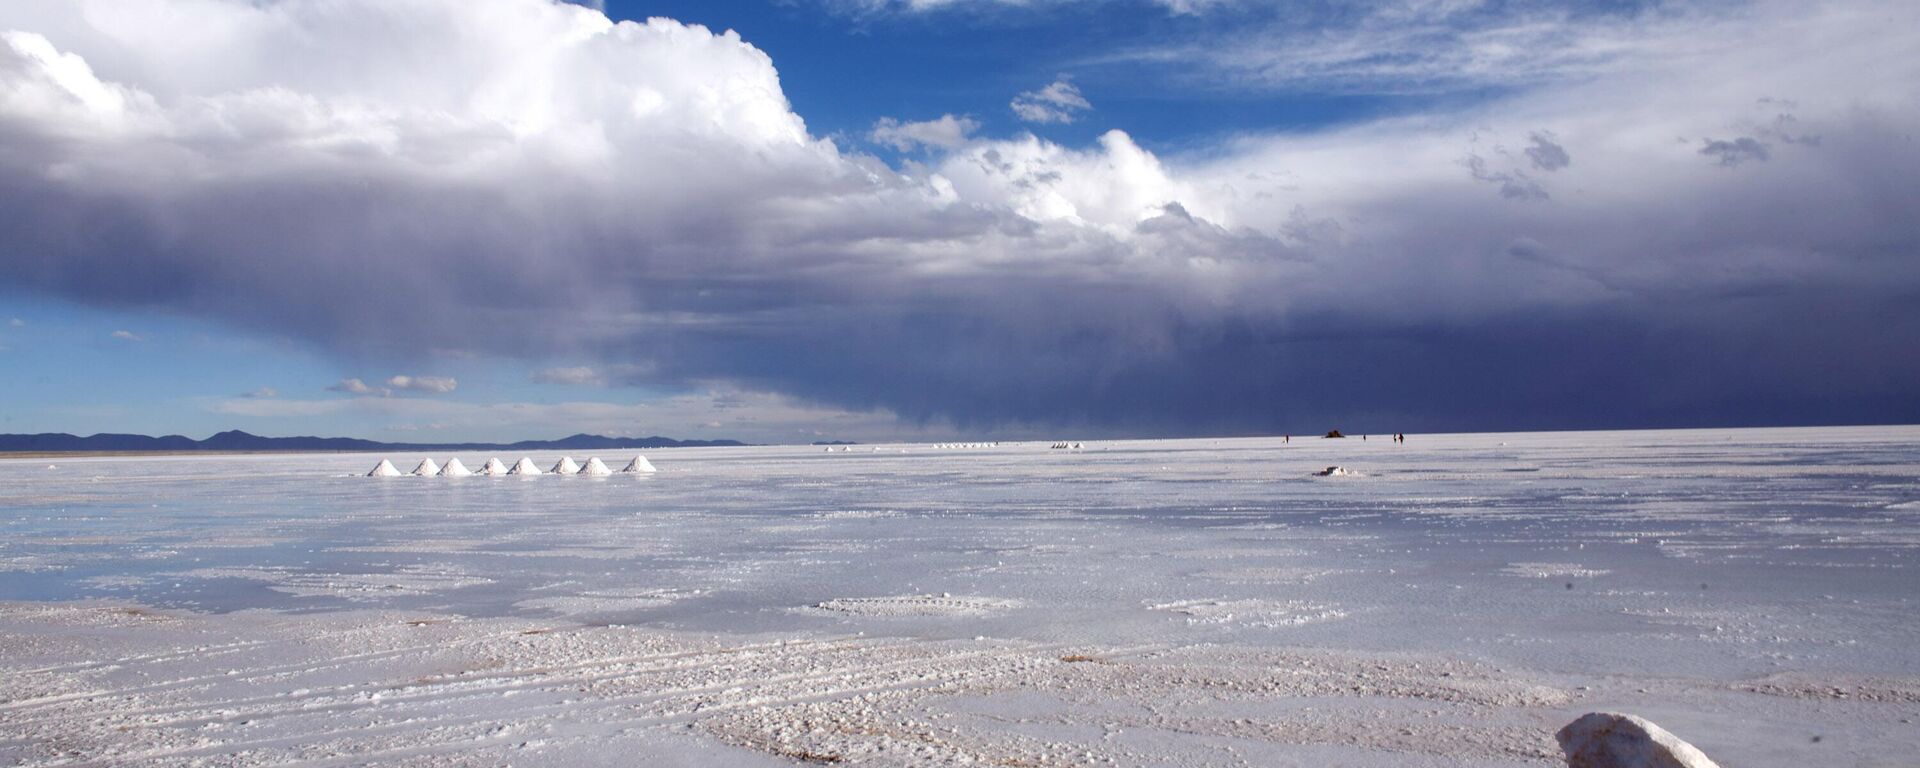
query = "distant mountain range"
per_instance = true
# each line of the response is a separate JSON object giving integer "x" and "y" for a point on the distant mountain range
{"x": 236, "y": 440}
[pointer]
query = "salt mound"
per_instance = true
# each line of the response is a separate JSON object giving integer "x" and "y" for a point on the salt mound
{"x": 524, "y": 467}
{"x": 426, "y": 469}
{"x": 384, "y": 469}
{"x": 639, "y": 464}
{"x": 1333, "y": 472}
{"x": 1613, "y": 740}
{"x": 493, "y": 468}
{"x": 595, "y": 469}
{"x": 565, "y": 466}
{"x": 455, "y": 469}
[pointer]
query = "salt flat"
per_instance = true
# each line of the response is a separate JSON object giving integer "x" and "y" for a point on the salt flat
{"x": 1190, "y": 602}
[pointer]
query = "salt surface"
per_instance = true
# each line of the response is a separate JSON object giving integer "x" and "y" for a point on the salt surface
{"x": 1199, "y": 602}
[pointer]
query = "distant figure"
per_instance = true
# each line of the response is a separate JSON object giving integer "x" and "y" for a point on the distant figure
{"x": 1335, "y": 433}
{"x": 1363, "y": 438}
{"x": 1286, "y": 439}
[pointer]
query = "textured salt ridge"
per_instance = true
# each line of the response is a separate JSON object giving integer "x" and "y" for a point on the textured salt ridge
{"x": 124, "y": 684}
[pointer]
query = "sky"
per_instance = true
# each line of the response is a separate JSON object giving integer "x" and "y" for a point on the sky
{"x": 796, "y": 220}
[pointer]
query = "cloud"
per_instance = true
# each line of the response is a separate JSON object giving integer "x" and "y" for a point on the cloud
{"x": 264, "y": 392}
{"x": 16, "y": 323}
{"x": 1058, "y": 102}
{"x": 432, "y": 385}
{"x": 1735, "y": 152}
{"x": 128, "y": 336}
{"x": 1514, "y": 184}
{"x": 945, "y": 132}
{"x": 360, "y": 388}
{"x": 1545, "y": 153}
{"x": 710, "y": 412}
{"x": 403, "y": 180}
{"x": 580, "y": 375}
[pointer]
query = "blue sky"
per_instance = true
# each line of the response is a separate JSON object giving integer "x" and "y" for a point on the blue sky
{"x": 875, "y": 219}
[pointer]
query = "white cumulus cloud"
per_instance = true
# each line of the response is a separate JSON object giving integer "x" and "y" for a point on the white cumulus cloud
{"x": 944, "y": 132}
{"x": 1058, "y": 102}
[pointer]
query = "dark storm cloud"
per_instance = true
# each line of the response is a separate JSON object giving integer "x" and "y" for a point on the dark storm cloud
{"x": 1513, "y": 185}
{"x": 1733, "y": 152}
{"x": 666, "y": 220}
{"x": 1545, "y": 153}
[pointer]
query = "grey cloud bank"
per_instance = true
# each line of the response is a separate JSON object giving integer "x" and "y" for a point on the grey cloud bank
{"x": 527, "y": 179}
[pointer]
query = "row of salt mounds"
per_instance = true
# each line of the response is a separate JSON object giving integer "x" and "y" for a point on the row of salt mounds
{"x": 524, "y": 467}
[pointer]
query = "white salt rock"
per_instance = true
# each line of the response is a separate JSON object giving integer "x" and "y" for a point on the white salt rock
{"x": 493, "y": 468}
{"x": 384, "y": 469}
{"x": 640, "y": 464}
{"x": 565, "y": 466}
{"x": 524, "y": 467}
{"x": 426, "y": 469}
{"x": 595, "y": 469}
{"x": 1333, "y": 472}
{"x": 1614, "y": 740}
{"x": 455, "y": 469}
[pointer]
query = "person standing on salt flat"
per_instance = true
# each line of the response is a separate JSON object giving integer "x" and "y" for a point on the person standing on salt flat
{"x": 494, "y": 468}
{"x": 595, "y": 469}
{"x": 426, "y": 469}
{"x": 565, "y": 466}
{"x": 639, "y": 464}
{"x": 455, "y": 469}
{"x": 384, "y": 469}
{"x": 524, "y": 467}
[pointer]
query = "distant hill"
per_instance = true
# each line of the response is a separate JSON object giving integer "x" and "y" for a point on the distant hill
{"x": 236, "y": 440}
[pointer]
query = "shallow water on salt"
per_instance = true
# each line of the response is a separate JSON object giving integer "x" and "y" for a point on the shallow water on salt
{"x": 1717, "y": 553}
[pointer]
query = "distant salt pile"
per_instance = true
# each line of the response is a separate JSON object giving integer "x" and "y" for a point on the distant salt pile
{"x": 565, "y": 466}
{"x": 1333, "y": 472}
{"x": 455, "y": 469}
{"x": 384, "y": 469}
{"x": 524, "y": 466}
{"x": 493, "y": 468}
{"x": 639, "y": 464}
{"x": 426, "y": 469}
{"x": 595, "y": 469}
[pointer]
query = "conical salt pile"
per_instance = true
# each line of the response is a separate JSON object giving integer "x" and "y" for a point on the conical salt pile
{"x": 565, "y": 467}
{"x": 493, "y": 468}
{"x": 524, "y": 467}
{"x": 595, "y": 469}
{"x": 455, "y": 469}
{"x": 426, "y": 469}
{"x": 384, "y": 469}
{"x": 639, "y": 464}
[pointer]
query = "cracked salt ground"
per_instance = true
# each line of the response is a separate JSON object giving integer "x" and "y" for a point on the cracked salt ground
{"x": 1147, "y": 603}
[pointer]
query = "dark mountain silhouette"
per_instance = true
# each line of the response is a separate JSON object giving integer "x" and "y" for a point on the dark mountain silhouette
{"x": 236, "y": 440}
